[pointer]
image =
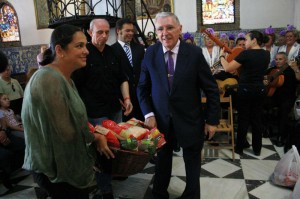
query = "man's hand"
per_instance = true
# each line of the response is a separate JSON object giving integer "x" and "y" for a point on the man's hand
{"x": 210, "y": 130}
{"x": 150, "y": 122}
{"x": 266, "y": 81}
{"x": 126, "y": 106}
{"x": 102, "y": 146}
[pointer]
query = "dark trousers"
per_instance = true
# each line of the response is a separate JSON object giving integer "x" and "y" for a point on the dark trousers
{"x": 59, "y": 190}
{"x": 12, "y": 155}
{"x": 104, "y": 177}
{"x": 250, "y": 110}
{"x": 163, "y": 170}
{"x": 284, "y": 108}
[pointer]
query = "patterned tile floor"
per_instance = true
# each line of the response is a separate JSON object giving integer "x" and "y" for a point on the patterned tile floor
{"x": 221, "y": 178}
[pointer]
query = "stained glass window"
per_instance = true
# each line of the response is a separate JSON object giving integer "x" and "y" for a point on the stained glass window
{"x": 9, "y": 23}
{"x": 218, "y": 14}
{"x": 217, "y": 11}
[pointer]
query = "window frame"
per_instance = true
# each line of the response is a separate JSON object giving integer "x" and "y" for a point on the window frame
{"x": 222, "y": 26}
{"x": 10, "y": 43}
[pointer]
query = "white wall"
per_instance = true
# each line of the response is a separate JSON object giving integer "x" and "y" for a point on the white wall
{"x": 263, "y": 13}
{"x": 29, "y": 33}
{"x": 254, "y": 14}
{"x": 297, "y": 14}
{"x": 187, "y": 14}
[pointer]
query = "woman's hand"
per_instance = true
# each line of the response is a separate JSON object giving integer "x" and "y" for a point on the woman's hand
{"x": 102, "y": 146}
{"x": 222, "y": 52}
{"x": 4, "y": 140}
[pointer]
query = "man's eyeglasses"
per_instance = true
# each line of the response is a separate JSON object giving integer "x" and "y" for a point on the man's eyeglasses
{"x": 13, "y": 87}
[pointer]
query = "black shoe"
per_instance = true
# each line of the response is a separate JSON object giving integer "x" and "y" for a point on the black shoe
{"x": 41, "y": 193}
{"x": 257, "y": 153}
{"x": 153, "y": 160}
{"x": 4, "y": 177}
{"x": 97, "y": 196}
{"x": 214, "y": 144}
{"x": 279, "y": 142}
{"x": 239, "y": 151}
{"x": 120, "y": 178}
{"x": 211, "y": 142}
{"x": 176, "y": 148}
{"x": 266, "y": 133}
{"x": 7, "y": 184}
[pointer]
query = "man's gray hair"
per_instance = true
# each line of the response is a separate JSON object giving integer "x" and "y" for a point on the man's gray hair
{"x": 167, "y": 14}
{"x": 96, "y": 20}
{"x": 284, "y": 55}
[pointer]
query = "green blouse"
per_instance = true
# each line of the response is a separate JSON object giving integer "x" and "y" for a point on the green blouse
{"x": 58, "y": 142}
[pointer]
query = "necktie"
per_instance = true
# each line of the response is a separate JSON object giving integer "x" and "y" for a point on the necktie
{"x": 170, "y": 68}
{"x": 128, "y": 53}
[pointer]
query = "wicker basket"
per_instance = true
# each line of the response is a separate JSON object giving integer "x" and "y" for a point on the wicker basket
{"x": 127, "y": 163}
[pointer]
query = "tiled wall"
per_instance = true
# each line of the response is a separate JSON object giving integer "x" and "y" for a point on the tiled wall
{"x": 21, "y": 58}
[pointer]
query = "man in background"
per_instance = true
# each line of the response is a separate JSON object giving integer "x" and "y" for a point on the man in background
{"x": 101, "y": 84}
{"x": 39, "y": 57}
{"x": 131, "y": 55}
{"x": 11, "y": 87}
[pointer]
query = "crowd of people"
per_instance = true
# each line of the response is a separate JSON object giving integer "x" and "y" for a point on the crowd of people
{"x": 79, "y": 82}
{"x": 284, "y": 53}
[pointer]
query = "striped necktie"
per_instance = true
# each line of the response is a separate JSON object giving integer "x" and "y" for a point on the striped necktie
{"x": 128, "y": 53}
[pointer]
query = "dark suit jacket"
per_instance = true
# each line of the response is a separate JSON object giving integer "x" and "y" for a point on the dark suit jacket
{"x": 133, "y": 73}
{"x": 183, "y": 102}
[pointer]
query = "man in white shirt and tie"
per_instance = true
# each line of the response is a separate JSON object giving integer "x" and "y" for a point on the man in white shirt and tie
{"x": 131, "y": 55}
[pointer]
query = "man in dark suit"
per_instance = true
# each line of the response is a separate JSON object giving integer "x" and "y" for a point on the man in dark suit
{"x": 171, "y": 101}
{"x": 131, "y": 64}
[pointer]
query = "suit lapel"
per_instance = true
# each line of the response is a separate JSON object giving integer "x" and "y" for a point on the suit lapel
{"x": 162, "y": 70}
{"x": 181, "y": 65}
{"x": 121, "y": 50}
{"x": 133, "y": 54}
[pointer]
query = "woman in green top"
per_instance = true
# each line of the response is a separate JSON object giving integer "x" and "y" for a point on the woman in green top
{"x": 59, "y": 146}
